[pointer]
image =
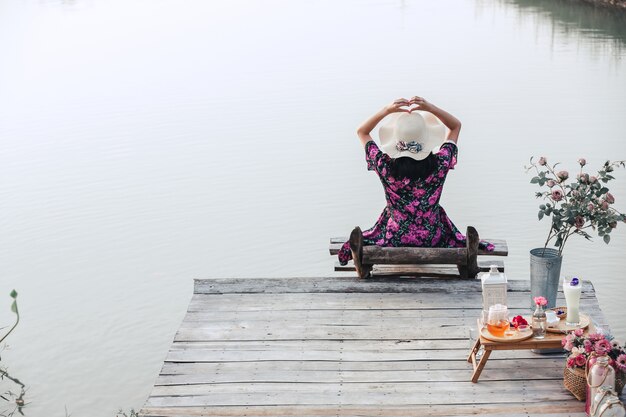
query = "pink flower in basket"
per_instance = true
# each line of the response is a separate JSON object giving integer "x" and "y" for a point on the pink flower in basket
{"x": 602, "y": 347}
{"x": 621, "y": 362}
{"x": 580, "y": 361}
{"x": 540, "y": 301}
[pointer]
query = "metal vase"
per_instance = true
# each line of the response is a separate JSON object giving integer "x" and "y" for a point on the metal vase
{"x": 545, "y": 270}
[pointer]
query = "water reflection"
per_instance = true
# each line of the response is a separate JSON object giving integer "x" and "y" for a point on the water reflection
{"x": 602, "y": 29}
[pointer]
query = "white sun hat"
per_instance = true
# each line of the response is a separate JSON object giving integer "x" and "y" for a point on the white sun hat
{"x": 413, "y": 134}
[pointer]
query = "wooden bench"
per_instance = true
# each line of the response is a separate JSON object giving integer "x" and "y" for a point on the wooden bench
{"x": 372, "y": 260}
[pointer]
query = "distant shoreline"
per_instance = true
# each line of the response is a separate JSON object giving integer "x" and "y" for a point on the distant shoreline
{"x": 608, "y": 4}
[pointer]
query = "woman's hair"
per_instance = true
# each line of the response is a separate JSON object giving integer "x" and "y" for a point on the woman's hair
{"x": 406, "y": 167}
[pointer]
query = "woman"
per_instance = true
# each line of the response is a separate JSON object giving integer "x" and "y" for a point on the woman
{"x": 412, "y": 176}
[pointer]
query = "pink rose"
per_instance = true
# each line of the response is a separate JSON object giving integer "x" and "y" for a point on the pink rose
{"x": 613, "y": 225}
{"x": 578, "y": 332}
{"x": 609, "y": 198}
{"x": 588, "y": 346}
{"x": 582, "y": 162}
{"x": 551, "y": 183}
{"x": 590, "y": 207}
{"x": 583, "y": 178}
{"x": 562, "y": 175}
{"x": 542, "y": 161}
{"x": 593, "y": 179}
{"x": 570, "y": 362}
{"x": 579, "y": 222}
{"x": 580, "y": 360}
{"x": 604, "y": 205}
{"x": 557, "y": 195}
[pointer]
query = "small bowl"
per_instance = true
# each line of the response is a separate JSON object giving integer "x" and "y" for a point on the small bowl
{"x": 523, "y": 327}
{"x": 561, "y": 312}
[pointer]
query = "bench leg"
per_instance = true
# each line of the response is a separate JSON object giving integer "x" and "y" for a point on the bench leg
{"x": 472, "y": 242}
{"x": 356, "y": 247}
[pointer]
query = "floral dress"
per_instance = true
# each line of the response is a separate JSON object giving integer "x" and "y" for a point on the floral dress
{"x": 413, "y": 216}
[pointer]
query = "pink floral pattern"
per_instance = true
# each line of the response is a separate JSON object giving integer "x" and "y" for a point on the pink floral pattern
{"x": 413, "y": 216}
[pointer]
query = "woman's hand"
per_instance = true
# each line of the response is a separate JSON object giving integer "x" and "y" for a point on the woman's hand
{"x": 421, "y": 104}
{"x": 397, "y": 106}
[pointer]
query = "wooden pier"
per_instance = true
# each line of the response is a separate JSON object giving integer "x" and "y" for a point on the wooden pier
{"x": 347, "y": 347}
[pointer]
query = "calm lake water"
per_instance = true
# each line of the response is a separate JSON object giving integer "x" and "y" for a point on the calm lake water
{"x": 147, "y": 143}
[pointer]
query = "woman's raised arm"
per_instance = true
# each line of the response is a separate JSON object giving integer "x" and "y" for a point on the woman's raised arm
{"x": 363, "y": 132}
{"x": 446, "y": 118}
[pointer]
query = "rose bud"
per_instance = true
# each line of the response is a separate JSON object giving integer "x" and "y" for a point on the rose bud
{"x": 562, "y": 175}
{"x": 609, "y": 198}
{"x": 542, "y": 161}
{"x": 604, "y": 204}
{"x": 613, "y": 225}
{"x": 583, "y": 178}
{"x": 590, "y": 207}
{"x": 557, "y": 195}
{"x": 593, "y": 179}
{"x": 582, "y": 162}
{"x": 551, "y": 183}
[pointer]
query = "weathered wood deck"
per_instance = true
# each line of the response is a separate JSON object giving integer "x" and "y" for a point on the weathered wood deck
{"x": 346, "y": 347}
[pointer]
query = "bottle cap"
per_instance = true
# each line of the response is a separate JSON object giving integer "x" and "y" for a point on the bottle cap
{"x": 574, "y": 282}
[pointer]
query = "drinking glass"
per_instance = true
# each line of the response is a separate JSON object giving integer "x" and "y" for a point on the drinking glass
{"x": 498, "y": 320}
{"x": 572, "y": 288}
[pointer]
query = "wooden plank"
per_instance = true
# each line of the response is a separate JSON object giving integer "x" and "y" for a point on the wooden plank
{"x": 510, "y": 409}
{"x": 349, "y": 285}
{"x": 205, "y": 355}
{"x": 425, "y": 270}
{"x": 501, "y": 247}
{"x": 486, "y": 392}
{"x": 380, "y": 255}
{"x": 498, "y": 361}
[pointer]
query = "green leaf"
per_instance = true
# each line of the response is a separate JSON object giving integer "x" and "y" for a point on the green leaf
{"x": 540, "y": 215}
{"x": 14, "y": 307}
{"x": 13, "y": 294}
{"x": 607, "y": 239}
{"x": 534, "y": 180}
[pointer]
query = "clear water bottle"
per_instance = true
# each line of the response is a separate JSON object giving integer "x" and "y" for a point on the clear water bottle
{"x": 539, "y": 323}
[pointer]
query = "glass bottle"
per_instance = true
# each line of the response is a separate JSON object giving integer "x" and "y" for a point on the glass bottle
{"x": 600, "y": 374}
{"x": 539, "y": 323}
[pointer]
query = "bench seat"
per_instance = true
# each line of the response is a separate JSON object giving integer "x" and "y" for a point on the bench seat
{"x": 369, "y": 260}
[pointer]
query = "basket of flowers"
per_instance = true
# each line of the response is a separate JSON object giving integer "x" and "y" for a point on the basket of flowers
{"x": 581, "y": 349}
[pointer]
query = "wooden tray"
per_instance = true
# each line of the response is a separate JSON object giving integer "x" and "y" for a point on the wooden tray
{"x": 517, "y": 337}
{"x": 561, "y": 327}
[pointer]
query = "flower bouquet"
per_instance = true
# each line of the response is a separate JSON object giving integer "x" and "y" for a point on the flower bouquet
{"x": 578, "y": 205}
{"x": 581, "y": 349}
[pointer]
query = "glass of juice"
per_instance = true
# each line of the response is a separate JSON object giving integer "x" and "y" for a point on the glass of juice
{"x": 572, "y": 288}
{"x": 498, "y": 320}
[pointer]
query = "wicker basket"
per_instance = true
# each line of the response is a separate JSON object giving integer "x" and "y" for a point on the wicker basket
{"x": 574, "y": 379}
